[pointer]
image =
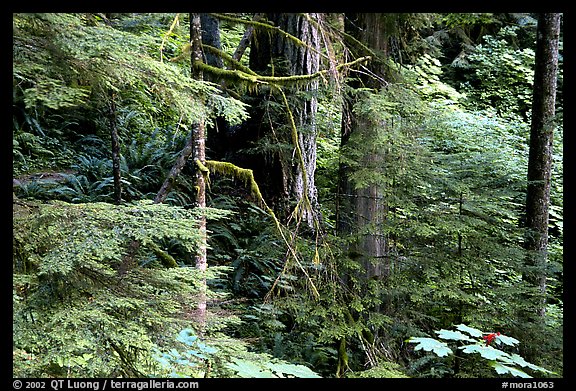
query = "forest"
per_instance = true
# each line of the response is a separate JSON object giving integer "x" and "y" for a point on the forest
{"x": 287, "y": 195}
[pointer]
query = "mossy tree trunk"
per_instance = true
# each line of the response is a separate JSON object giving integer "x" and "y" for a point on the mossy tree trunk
{"x": 287, "y": 178}
{"x": 362, "y": 207}
{"x": 540, "y": 153}
{"x": 199, "y": 152}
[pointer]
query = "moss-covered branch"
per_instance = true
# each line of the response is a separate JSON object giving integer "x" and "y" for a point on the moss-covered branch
{"x": 166, "y": 259}
{"x": 247, "y": 177}
{"x": 255, "y": 79}
{"x": 242, "y": 174}
{"x": 229, "y": 59}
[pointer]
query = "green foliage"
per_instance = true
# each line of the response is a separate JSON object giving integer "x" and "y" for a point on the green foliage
{"x": 503, "y": 362}
{"x": 73, "y": 65}
{"x": 95, "y": 287}
{"x": 224, "y": 357}
{"x": 431, "y": 345}
{"x": 384, "y": 370}
{"x": 499, "y": 75}
{"x": 90, "y": 298}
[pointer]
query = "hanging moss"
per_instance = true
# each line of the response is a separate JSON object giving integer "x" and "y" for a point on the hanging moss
{"x": 247, "y": 177}
{"x": 243, "y": 174}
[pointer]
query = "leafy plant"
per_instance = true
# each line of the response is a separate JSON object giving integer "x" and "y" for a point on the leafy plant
{"x": 202, "y": 360}
{"x": 478, "y": 342}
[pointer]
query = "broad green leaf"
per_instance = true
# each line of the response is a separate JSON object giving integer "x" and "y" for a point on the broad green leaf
{"x": 205, "y": 348}
{"x": 248, "y": 369}
{"x": 187, "y": 336}
{"x": 502, "y": 369}
{"x": 507, "y": 340}
{"x": 453, "y": 335}
{"x": 488, "y": 352}
{"x": 517, "y": 359}
{"x": 292, "y": 369}
{"x": 431, "y": 345}
{"x": 470, "y": 330}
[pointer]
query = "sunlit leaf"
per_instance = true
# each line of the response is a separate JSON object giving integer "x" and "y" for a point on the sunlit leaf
{"x": 470, "y": 330}
{"x": 507, "y": 340}
{"x": 453, "y": 335}
{"x": 431, "y": 345}
{"x": 502, "y": 369}
{"x": 249, "y": 369}
{"x": 488, "y": 352}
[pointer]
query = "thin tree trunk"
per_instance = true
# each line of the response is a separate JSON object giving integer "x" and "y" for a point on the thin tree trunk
{"x": 245, "y": 41}
{"x": 540, "y": 154}
{"x": 115, "y": 152}
{"x": 176, "y": 169}
{"x": 199, "y": 136}
{"x": 195, "y": 147}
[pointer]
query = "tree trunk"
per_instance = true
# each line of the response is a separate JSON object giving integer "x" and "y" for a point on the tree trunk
{"x": 540, "y": 154}
{"x": 195, "y": 147}
{"x": 176, "y": 169}
{"x": 304, "y": 61}
{"x": 115, "y": 152}
{"x": 211, "y": 36}
{"x": 361, "y": 207}
{"x": 291, "y": 175}
{"x": 200, "y": 155}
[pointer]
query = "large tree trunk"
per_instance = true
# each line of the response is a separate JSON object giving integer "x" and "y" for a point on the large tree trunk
{"x": 288, "y": 176}
{"x": 540, "y": 154}
{"x": 304, "y": 61}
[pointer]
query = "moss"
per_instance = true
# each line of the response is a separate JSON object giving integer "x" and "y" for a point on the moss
{"x": 229, "y": 59}
{"x": 342, "y": 358}
{"x": 252, "y": 79}
{"x": 242, "y": 174}
{"x": 166, "y": 259}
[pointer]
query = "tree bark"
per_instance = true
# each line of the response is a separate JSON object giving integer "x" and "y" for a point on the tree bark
{"x": 245, "y": 41}
{"x": 294, "y": 176}
{"x": 199, "y": 136}
{"x": 176, "y": 169}
{"x": 540, "y": 153}
{"x": 362, "y": 209}
{"x": 211, "y": 36}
